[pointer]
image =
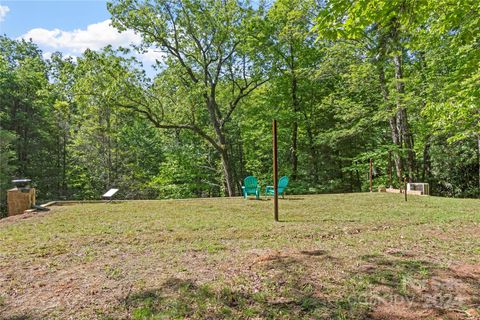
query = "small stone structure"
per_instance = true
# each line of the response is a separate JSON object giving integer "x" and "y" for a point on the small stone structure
{"x": 19, "y": 200}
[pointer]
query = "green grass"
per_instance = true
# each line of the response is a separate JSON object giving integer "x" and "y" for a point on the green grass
{"x": 331, "y": 256}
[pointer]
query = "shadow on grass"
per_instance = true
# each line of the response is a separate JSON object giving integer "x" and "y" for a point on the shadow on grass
{"x": 285, "y": 286}
{"x": 255, "y": 199}
{"x": 179, "y": 298}
{"x": 289, "y": 220}
{"x": 287, "y": 198}
{"x": 314, "y": 253}
{"x": 288, "y": 292}
{"x": 401, "y": 288}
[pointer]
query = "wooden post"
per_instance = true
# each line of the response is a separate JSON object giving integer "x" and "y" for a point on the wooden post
{"x": 371, "y": 176}
{"x": 405, "y": 186}
{"x": 275, "y": 171}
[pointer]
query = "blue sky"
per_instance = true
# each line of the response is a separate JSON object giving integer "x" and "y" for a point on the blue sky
{"x": 66, "y": 15}
{"x": 67, "y": 26}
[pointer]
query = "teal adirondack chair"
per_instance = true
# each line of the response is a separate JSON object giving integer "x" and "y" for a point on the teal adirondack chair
{"x": 251, "y": 187}
{"x": 282, "y": 185}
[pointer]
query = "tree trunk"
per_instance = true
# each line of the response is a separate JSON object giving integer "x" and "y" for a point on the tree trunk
{"x": 426, "y": 160}
{"x": 313, "y": 151}
{"x": 389, "y": 169}
{"x": 64, "y": 166}
{"x": 296, "y": 108}
{"x": 228, "y": 174}
{"x": 241, "y": 160}
{"x": 402, "y": 119}
{"x": 109, "y": 148}
{"x": 58, "y": 150}
{"x": 396, "y": 139}
{"x": 359, "y": 181}
{"x": 226, "y": 163}
{"x": 478, "y": 145}
{"x": 392, "y": 121}
{"x": 221, "y": 145}
{"x": 294, "y": 156}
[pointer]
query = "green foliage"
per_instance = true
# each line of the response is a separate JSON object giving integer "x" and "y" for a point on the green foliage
{"x": 392, "y": 81}
{"x": 452, "y": 62}
{"x": 186, "y": 172}
{"x": 7, "y": 156}
{"x": 27, "y": 109}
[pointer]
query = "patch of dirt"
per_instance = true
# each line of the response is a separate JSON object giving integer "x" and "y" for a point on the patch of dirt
{"x": 41, "y": 290}
{"x": 19, "y": 217}
{"x": 446, "y": 294}
{"x": 302, "y": 256}
{"x": 454, "y": 232}
{"x": 81, "y": 289}
{"x": 466, "y": 270}
{"x": 400, "y": 311}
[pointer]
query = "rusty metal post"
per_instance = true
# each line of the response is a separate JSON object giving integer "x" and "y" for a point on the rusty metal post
{"x": 275, "y": 171}
{"x": 405, "y": 186}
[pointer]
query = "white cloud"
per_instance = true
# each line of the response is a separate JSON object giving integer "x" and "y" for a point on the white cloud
{"x": 3, "y": 12}
{"x": 152, "y": 55}
{"x": 94, "y": 37}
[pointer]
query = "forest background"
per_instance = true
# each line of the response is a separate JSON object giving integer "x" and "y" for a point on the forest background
{"x": 394, "y": 81}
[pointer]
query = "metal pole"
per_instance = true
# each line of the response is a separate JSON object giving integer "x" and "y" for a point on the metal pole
{"x": 405, "y": 186}
{"x": 275, "y": 171}
{"x": 371, "y": 176}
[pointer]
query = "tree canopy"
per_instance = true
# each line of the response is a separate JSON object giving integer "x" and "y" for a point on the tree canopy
{"x": 393, "y": 81}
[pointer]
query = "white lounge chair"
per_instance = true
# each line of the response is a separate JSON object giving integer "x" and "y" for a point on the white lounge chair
{"x": 109, "y": 194}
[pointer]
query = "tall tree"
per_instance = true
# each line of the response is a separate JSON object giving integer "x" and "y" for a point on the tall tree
{"x": 382, "y": 27}
{"x": 27, "y": 103}
{"x": 294, "y": 56}
{"x": 449, "y": 45}
{"x": 209, "y": 56}
{"x": 7, "y": 137}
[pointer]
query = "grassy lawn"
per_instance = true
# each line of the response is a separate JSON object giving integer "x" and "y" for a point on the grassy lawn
{"x": 351, "y": 256}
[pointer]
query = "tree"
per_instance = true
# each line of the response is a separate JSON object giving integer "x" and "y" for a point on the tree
{"x": 382, "y": 28}
{"x": 7, "y": 157}
{"x": 7, "y": 139}
{"x": 293, "y": 56}
{"x": 372, "y": 78}
{"x": 210, "y": 63}
{"x": 104, "y": 148}
{"x": 27, "y": 103}
{"x": 449, "y": 48}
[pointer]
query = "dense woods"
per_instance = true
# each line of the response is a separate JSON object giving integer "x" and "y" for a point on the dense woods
{"x": 393, "y": 81}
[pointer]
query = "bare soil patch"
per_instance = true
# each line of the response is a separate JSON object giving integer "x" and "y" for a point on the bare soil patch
{"x": 368, "y": 258}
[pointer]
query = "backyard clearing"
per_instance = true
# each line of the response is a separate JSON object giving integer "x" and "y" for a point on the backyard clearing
{"x": 346, "y": 256}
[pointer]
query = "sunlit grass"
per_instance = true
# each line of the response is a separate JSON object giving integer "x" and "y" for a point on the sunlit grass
{"x": 227, "y": 258}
